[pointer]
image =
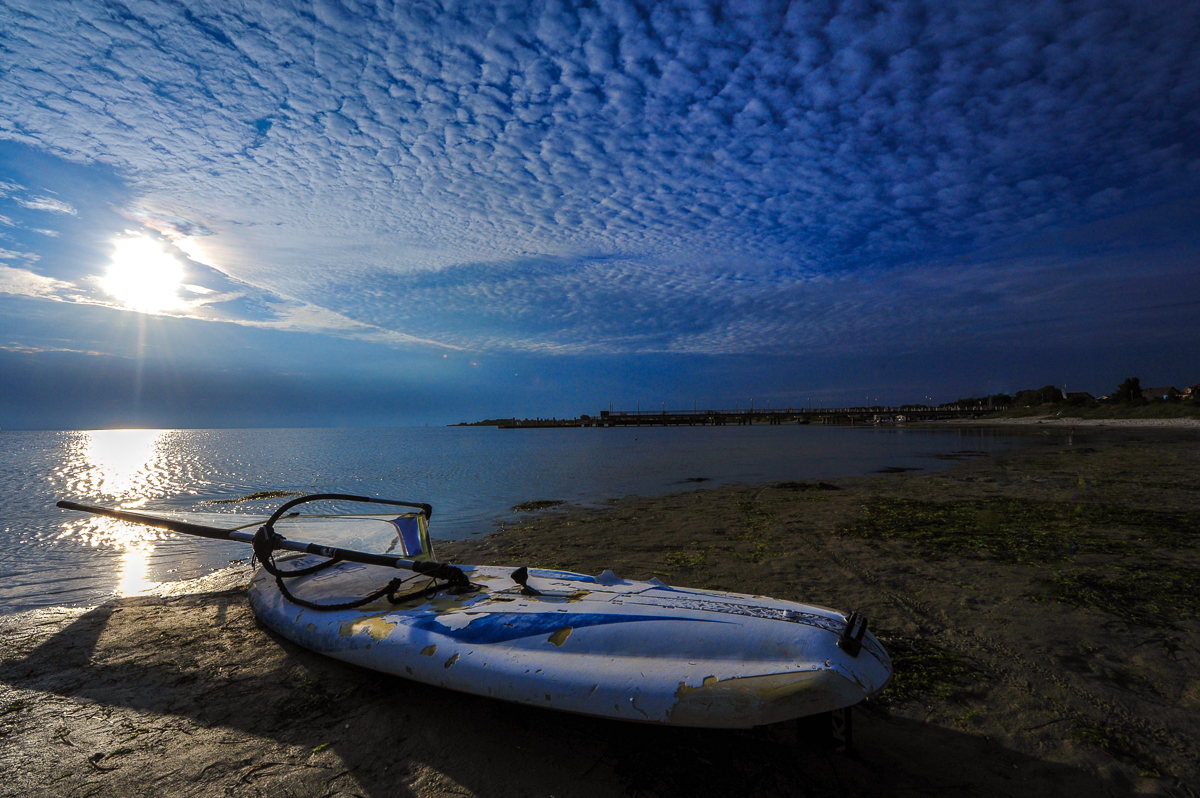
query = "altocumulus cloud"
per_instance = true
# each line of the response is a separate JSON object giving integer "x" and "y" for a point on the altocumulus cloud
{"x": 620, "y": 177}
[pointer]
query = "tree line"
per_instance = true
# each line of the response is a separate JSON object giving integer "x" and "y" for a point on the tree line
{"x": 1128, "y": 392}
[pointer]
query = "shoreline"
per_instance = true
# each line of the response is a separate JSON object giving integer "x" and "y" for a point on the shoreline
{"x": 474, "y": 518}
{"x": 1001, "y": 669}
{"x": 1068, "y": 421}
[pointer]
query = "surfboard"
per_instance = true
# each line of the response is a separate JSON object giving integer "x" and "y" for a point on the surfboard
{"x": 595, "y": 645}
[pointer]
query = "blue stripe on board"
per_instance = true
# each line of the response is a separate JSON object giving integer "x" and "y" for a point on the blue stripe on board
{"x": 501, "y": 627}
{"x": 568, "y": 576}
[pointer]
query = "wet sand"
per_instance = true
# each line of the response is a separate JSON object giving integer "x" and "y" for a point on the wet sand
{"x": 1041, "y": 609}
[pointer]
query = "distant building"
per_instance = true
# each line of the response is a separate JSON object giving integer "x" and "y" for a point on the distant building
{"x": 1192, "y": 392}
{"x": 1079, "y": 396}
{"x": 1163, "y": 392}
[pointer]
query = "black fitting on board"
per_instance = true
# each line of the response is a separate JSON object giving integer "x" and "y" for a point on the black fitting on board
{"x": 852, "y": 637}
{"x": 521, "y": 577}
{"x": 264, "y": 549}
{"x": 439, "y": 570}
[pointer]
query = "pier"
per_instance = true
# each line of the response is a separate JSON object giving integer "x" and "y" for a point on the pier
{"x": 840, "y": 416}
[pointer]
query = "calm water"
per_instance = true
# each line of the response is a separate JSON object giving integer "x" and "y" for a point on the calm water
{"x": 471, "y": 476}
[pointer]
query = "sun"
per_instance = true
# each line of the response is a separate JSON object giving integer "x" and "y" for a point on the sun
{"x": 142, "y": 276}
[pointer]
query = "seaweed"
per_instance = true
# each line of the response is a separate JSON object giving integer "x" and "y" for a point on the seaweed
{"x": 253, "y": 497}
{"x": 922, "y": 669}
{"x": 1120, "y": 747}
{"x": 755, "y": 544}
{"x": 536, "y": 504}
{"x": 1135, "y": 584}
{"x": 757, "y": 519}
{"x": 804, "y": 486}
{"x": 1147, "y": 594}
{"x": 965, "y": 454}
{"x": 1154, "y": 485}
{"x": 15, "y": 706}
{"x": 1018, "y": 530}
{"x": 687, "y": 559}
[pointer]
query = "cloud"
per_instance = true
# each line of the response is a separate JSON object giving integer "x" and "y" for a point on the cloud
{"x": 22, "y": 282}
{"x": 41, "y": 350}
{"x": 300, "y": 317}
{"x": 46, "y": 204}
{"x": 682, "y": 177}
{"x": 173, "y": 226}
{"x": 1091, "y": 281}
{"x": 8, "y": 254}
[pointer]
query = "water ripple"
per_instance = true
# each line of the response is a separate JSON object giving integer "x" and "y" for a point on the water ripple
{"x": 472, "y": 477}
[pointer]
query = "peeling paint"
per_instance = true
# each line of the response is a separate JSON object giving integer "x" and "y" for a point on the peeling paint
{"x": 451, "y": 661}
{"x": 560, "y": 637}
{"x": 375, "y": 626}
{"x": 455, "y": 620}
{"x": 429, "y": 651}
{"x": 684, "y": 690}
{"x": 792, "y": 694}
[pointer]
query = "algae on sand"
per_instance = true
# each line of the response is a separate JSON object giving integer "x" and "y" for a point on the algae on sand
{"x": 1139, "y": 576}
{"x": 1017, "y": 530}
{"x": 921, "y": 668}
{"x": 1120, "y": 746}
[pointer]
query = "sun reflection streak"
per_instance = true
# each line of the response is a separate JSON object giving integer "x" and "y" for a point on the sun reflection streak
{"x": 121, "y": 467}
{"x": 135, "y": 562}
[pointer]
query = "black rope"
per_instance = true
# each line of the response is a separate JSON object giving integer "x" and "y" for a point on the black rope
{"x": 389, "y": 590}
{"x": 264, "y": 551}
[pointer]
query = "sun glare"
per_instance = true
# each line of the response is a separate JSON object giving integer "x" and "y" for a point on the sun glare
{"x": 122, "y": 461}
{"x": 144, "y": 277}
{"x": 121, "y": 467}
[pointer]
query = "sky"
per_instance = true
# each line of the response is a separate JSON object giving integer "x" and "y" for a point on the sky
{"x": 376, "y": 213}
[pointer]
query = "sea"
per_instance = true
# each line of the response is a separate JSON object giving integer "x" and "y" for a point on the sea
{"x": 473, "y": 477}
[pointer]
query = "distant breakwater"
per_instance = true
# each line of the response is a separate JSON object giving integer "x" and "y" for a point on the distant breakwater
{"x": 841, "y": 416}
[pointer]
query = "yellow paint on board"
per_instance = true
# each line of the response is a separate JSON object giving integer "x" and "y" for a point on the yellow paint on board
{"x": 375, "y": 626}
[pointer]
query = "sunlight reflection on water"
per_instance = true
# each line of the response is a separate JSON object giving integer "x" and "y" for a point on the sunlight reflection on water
{"x": 121, "y": 467}
{"x": 135, "y": 564}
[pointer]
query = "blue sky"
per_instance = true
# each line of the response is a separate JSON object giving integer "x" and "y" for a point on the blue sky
{"x": 378, "y": 213}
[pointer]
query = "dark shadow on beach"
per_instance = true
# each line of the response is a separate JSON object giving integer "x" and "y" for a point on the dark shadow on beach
{"x": 190, "y": 695}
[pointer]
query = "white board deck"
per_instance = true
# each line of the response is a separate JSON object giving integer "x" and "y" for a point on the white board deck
{"x": 639, "y": 651}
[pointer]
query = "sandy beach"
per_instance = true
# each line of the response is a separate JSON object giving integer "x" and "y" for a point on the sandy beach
{"x": 1080, "y": 423}
{"x": 1041, "y": 608}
